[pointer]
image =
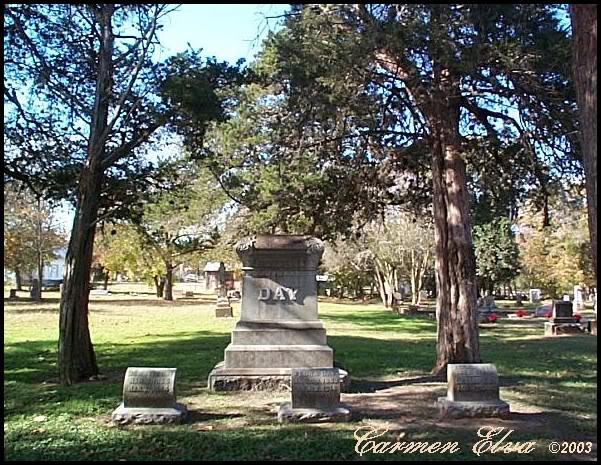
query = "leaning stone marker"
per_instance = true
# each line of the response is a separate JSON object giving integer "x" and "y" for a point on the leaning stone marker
{"x": 315, "y": 397}
{"x": 149, "y": 397}
{"x": 472, "y": 391}
{"x": 278, "y": 329}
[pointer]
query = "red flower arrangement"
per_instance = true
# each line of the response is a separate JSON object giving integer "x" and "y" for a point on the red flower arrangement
{"x": 521, "y": 313}
{"x": 549, "y": 314}
{"x": 577, "y": 317}
{"x": 492, "y": 318}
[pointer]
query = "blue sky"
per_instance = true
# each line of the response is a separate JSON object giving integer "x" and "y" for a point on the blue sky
{"x": 227, "y": 32}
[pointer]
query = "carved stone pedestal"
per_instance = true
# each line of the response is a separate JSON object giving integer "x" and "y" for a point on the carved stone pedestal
{"x": 278, "y": 328}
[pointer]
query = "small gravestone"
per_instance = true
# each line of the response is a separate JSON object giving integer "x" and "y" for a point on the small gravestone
{"x": 315, "y": 397}
{"x": 149, "y": 397}
{"x": 518, "y": 298}
{"x": 534, "y": 296}
{"x": 489, "y": 302}
{"x": 189, "y": 294}
{"x": 12, "y": 294}
{"x": 566, "y": 297}
{"x": 472, "y": 391}
{"x": 593, "y": 327}
{"x": 35, "y": 291}
{"x": 223, "y": 309}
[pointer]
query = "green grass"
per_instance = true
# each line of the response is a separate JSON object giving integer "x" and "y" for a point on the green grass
{"x": 549, "y": 382}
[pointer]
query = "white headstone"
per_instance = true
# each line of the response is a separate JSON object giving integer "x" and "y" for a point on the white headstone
{"x": 534, "y": 295}
{"x": 578, "y": 298}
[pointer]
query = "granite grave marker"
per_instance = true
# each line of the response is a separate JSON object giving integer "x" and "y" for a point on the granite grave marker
{"x": 315, "y": 397}
{"x": 149, "y": 397}
{"x": 472, "y": 391}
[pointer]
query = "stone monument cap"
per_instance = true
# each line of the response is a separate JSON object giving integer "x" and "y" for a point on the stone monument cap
{"x": 280, "y": 252}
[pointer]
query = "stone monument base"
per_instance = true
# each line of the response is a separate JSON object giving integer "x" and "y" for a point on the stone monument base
{"x": 223, "y": 309}
{"x": 258, "y": 379}
{"x": 311, "y": 415}
{"x": 145, "y": 415}
{"x": 557, "y": 329}
{"x": 453, "y": 409}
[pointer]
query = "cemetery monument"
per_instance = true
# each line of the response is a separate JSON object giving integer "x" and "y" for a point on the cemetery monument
{"x": 278, "y": 328}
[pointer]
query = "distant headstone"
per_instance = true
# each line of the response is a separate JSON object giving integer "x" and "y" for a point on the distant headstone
{"x": 578, "y": 298}
{"x": 12, "y": 294}
{"x": 489, "y": 302}
{"x": 315, "y": 397}
{"x": 472, "y": 391}
{"x": 423, "y": 295}
{"x": 34, "y": 291}
{"x": 566, "y": 297}
{"x": 518, "y": 298}
{"x": 149, "y": 397}
{"x": 562, "y": 321}
{"x": 189, "y": 294}
{"x": 534, "y": 296}
{"x": 562, "y": 312}
{"x": 223, "y": 309}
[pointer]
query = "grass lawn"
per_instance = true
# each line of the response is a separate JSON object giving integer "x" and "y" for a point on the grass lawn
{"x": 549, "y": 382}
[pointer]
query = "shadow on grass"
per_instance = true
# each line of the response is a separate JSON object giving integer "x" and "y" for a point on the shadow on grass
{"x": 556, "y": 374}
{"x": 27, "y": 306}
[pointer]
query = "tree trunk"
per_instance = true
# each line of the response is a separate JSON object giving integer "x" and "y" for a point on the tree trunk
{"x": 40, "y": 275}
{"x": 455, "y": 259}
{"x": 18, "y": 280}
{"x": 106, "y": 277}
{"x": 159, "y": 284}
{"x": 584, "y": 34}
{"x": 381, "y": 288}
{"x": 76, "y": 358}
{"x": 77, "y": 361}
{"x": 168, "y": 295}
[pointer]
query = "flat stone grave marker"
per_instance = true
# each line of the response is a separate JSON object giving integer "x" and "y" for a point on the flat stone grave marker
{"x": 472, "y": 391}
{"x": 99, "y": 292}
{"x": 149, "y": 397}
{"x": 315, "y": 397}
